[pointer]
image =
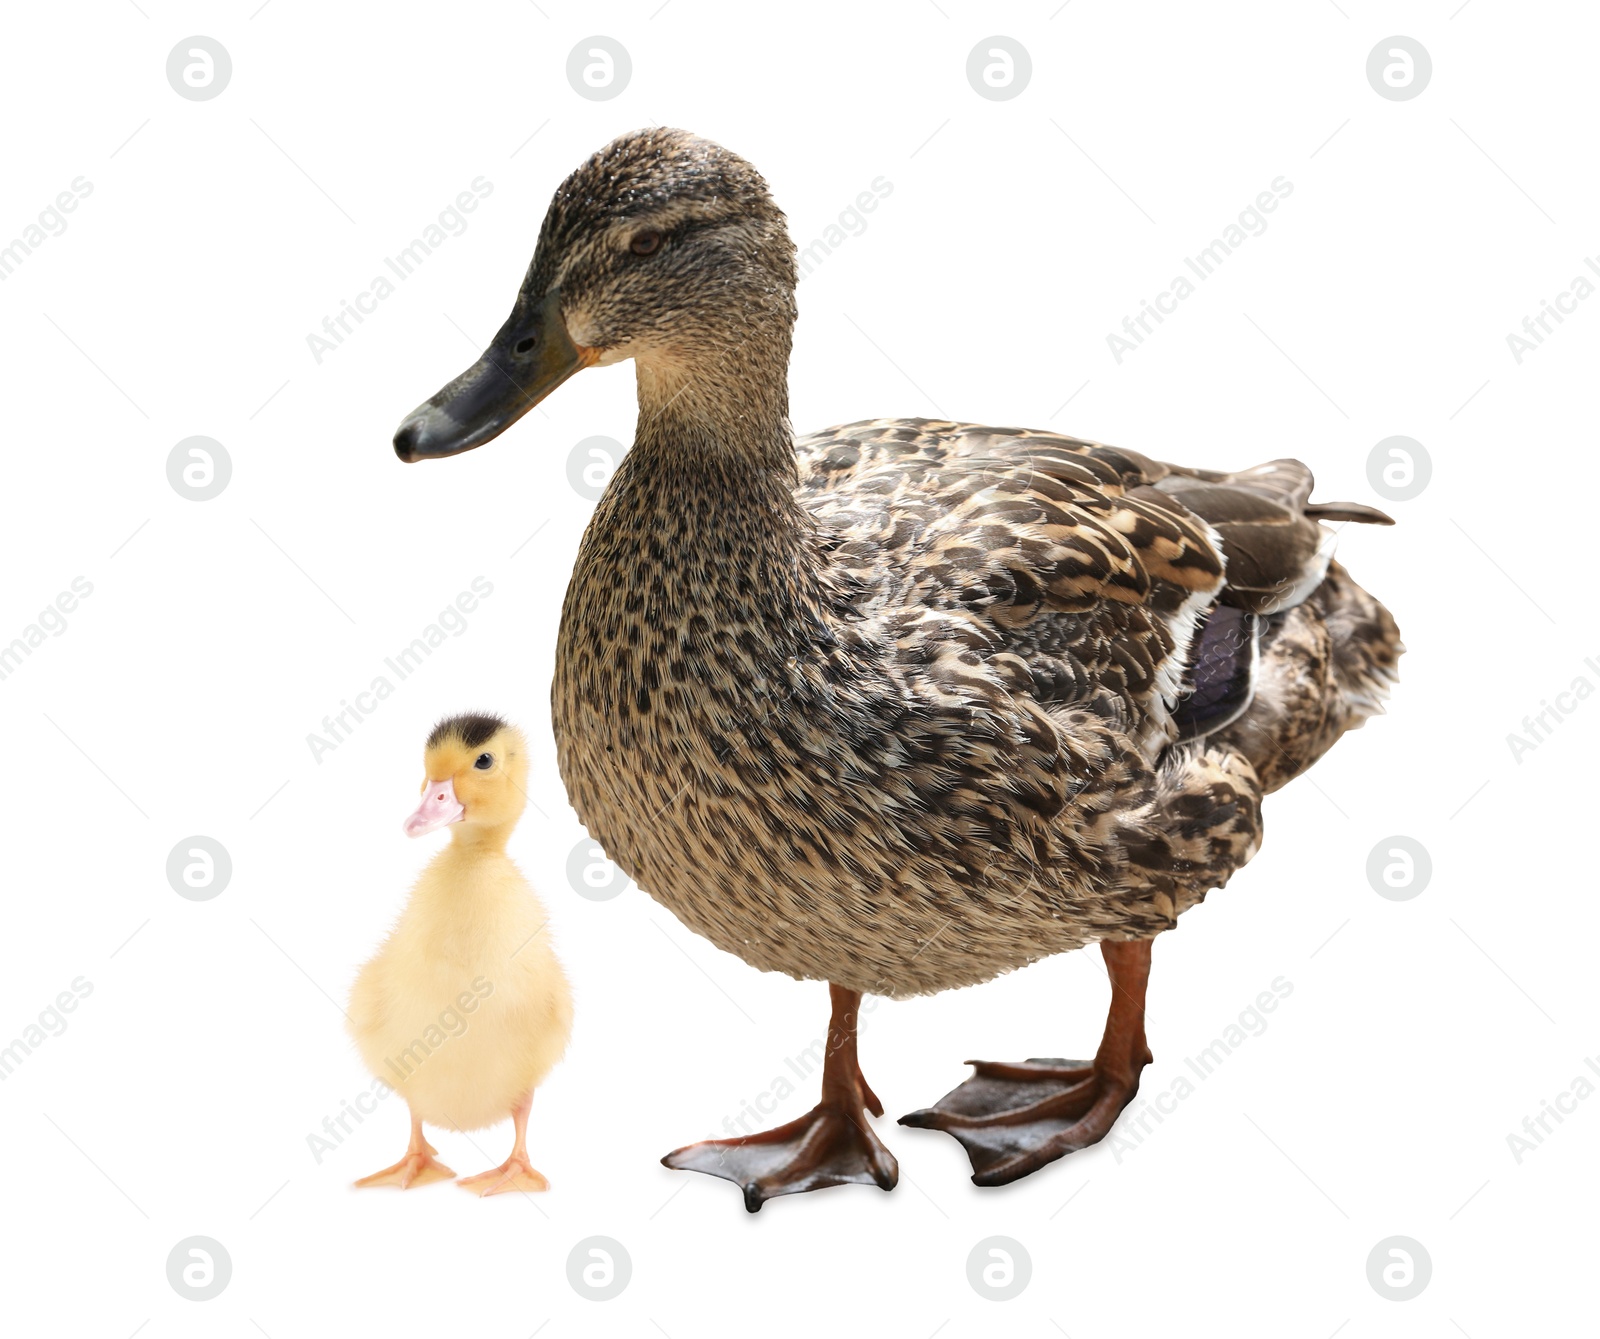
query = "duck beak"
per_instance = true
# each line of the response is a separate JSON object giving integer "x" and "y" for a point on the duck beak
{"x": 529, "y": 358}
{"x": 439, "y": 808}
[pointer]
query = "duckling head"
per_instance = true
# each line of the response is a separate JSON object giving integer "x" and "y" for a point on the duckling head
{"x": 477, "y": 774}
{"x": 664, "y": 248}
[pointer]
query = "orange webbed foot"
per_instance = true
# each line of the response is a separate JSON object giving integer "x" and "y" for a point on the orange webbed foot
{"x": 515, "y": 1173}
{"x": 419, "y": 1167}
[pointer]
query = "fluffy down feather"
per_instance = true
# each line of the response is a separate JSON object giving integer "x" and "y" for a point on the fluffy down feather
{"x": 465, "y": 1008}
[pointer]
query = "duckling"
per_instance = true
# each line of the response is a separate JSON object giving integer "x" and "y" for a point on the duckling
{"x": 465, "y": 1009}
{"x": 903, "y": 704}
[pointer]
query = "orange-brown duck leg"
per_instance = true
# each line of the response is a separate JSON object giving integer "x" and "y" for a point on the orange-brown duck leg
{"x": 1013, "y": 1119}
{"x": 831, "y": 1145}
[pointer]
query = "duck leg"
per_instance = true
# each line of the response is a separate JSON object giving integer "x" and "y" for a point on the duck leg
{"x": 1014, "y": 1118}
{"x": 516, "y": 1172}
{"x": 831, "y": 1145}
{"x": 417, "y": 1168}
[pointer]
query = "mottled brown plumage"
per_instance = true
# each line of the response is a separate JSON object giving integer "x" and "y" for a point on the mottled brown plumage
{"x": 908, "y": 726}
{"x": 903, "y": 704}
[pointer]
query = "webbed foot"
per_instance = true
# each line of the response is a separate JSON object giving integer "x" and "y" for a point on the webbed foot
{"x": 1014, "y": 1118}
{"x": 515, "y": 1173}
{"x": 831, "y": 1145}
{"x": 419, "y": 1167}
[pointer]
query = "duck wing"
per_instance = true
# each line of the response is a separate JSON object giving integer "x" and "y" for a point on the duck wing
{"x": 1277, "y": 551}
{"x": 1040, "y": 540}
{"x": 1110, "y": 575}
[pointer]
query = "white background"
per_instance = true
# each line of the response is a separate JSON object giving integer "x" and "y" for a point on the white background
{"x": 1419, "y": 1034}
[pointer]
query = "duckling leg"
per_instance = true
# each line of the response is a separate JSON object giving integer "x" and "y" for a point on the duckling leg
{"x": 1014, "y": 1118}
{"x": 417, "y": 1168}
{"x": 831, "y": 1145}
{"x": 516, "y": 1172}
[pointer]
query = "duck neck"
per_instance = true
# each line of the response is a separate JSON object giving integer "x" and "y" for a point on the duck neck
{"x": 474, "y": 841}
{"x": 731, "y": 411}
{"x": 708, "y": 491}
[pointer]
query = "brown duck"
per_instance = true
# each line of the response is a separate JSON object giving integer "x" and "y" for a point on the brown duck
{"x": 904, "y": 704}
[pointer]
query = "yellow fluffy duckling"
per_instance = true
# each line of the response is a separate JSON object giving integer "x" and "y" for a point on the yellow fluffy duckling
{"x": 465, "y": 1008}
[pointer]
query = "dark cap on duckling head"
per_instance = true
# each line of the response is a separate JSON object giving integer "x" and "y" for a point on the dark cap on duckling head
{"x": 663, "y": 247}
{"x": 471, "y": 728}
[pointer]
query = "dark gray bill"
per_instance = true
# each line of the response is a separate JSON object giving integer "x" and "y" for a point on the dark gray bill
{"x": 530, "y": 356}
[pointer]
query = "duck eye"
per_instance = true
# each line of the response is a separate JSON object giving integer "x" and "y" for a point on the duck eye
{"x": 645, "y": 243}
{"x": 485, "y": 762}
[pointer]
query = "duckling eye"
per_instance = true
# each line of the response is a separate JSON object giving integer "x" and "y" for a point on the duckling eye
{"x": 645, "y": 243}
{"x": 484, "y": 762}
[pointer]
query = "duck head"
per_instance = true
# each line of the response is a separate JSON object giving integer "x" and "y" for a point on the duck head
{"x": 664, "y": 248}
{"x": 476, "y": 777}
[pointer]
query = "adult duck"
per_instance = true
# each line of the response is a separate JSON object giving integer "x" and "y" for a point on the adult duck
{"x": 904, "y": 704}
